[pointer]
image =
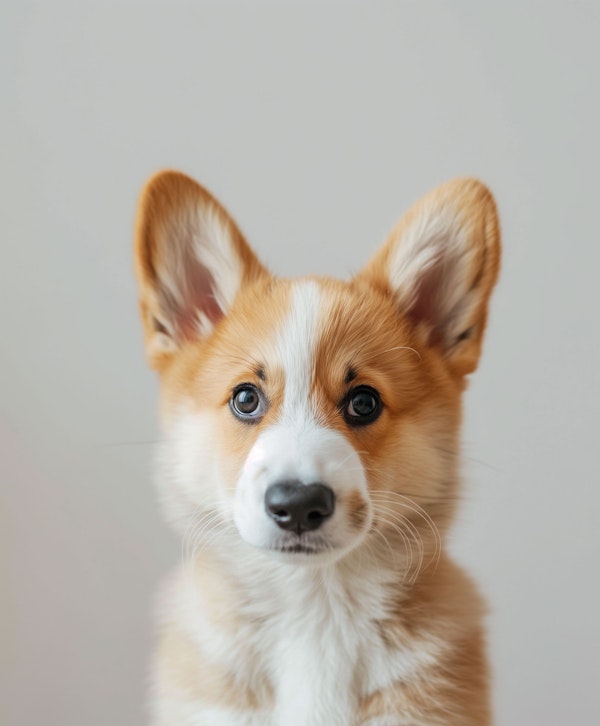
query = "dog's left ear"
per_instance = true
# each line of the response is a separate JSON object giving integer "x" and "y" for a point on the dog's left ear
{"x": 440, "y": 264}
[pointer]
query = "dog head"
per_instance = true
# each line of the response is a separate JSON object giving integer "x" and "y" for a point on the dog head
{"x": 309, "y": 415}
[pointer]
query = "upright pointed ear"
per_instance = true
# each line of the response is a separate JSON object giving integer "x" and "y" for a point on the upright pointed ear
{"x": 440, "y": 264}
{"x": 190, "y": 259}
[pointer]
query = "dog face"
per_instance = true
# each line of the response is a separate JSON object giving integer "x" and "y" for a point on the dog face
{"x": 313, "y": 415}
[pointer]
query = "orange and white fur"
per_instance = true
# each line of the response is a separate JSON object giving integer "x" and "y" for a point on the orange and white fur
{"x": 311, "y": 463}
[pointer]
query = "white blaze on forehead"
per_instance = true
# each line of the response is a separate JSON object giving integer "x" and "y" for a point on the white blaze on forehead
{"x": 296, "y": 347}
{"x": 297, "y": 446}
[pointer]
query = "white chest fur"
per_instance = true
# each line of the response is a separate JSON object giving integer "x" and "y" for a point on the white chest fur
{"x": 313, "y": 634}
{"x": 314, "y": 659}
{"x": 331, "y": 652}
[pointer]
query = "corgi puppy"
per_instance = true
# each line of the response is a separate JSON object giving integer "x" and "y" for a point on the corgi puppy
{"x": 310, "y": 462}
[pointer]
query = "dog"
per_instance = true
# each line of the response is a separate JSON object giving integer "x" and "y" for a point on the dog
{"x": 310, "y": 461}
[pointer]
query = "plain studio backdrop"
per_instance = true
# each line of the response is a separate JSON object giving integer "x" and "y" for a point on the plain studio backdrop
{"x": 317, "y": 124}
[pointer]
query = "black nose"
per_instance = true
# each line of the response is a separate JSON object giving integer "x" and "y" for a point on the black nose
{"x": 299, "y": 507}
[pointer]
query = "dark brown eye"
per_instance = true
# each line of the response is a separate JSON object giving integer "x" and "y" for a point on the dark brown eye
{"x": 247, "y": 403}
{"x": 362, "y": 406}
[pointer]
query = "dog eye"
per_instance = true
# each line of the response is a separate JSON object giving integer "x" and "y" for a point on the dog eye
{"x": 363, "y": 405}
{"x": 247, "y": 403}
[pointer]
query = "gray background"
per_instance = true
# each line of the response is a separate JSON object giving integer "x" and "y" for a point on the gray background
{"x": 317, "y": 125}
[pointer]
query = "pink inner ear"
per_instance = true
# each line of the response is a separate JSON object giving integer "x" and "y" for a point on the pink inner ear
{"x": 193, "y": 302}
{"x": 426, "y": 301}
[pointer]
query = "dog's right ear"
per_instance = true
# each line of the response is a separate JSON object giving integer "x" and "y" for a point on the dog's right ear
{"x": 190, "y": 258}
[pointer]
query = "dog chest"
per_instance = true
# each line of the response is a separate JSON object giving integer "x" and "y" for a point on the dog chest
{"x": 324, "y": 651}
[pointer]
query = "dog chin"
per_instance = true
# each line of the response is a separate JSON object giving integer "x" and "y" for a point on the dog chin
{"x": 317, "y": 547}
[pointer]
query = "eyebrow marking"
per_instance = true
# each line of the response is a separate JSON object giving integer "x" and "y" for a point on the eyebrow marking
{"x": 260, "y": 373}
{"x": 350, "y": 375}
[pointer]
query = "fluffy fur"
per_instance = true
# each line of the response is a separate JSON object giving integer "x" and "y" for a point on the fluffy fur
{"x": 371, "y": 622}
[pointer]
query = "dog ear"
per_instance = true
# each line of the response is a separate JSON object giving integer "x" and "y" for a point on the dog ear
{"x": 440, "y": 264}
{"x": 191, "y": 259}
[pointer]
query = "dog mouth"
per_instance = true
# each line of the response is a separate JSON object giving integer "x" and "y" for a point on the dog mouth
{"x": 298, "y": 549}
{"x": 301, "y": 546}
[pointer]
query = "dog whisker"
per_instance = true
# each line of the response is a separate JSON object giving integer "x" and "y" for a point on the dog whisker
{"x": 357, "y": 356}
{"x": 199, "y": 527}
{"x": 407, "y": 544}
{"x": 408, "y": 503}
{"x": 413, "y": 531}
{"x": 390, "y": 512}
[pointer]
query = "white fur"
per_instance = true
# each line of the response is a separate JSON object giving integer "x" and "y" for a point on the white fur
{"x": 188, "y": 470}
{"x": 436, "y": 238}
{"x": 297, "y": 446}
{"x": 295, "y": 348}
{"x": 318, "y": 643}
{"x": 214, "y": 250}
{"x": 197, "y": 239}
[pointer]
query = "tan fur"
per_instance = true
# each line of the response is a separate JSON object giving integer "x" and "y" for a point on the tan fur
{"x": 356, "y": 508}
{"x": 185, "y": 672}
{"x": 412, "y": 450}
{"x": 454, "y": 690}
